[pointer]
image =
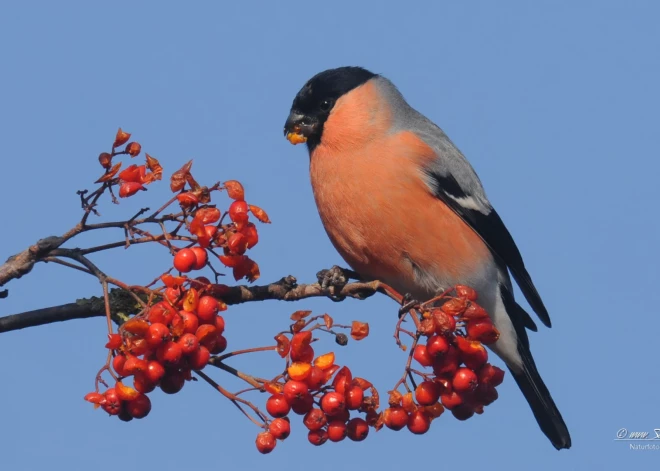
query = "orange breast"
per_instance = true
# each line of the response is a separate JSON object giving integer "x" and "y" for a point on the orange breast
{"x": 382, "y": 218}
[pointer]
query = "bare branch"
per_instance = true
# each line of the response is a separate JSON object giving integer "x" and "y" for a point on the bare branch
{"x": 123, "y": 303}
{"x": 22, "y": 263}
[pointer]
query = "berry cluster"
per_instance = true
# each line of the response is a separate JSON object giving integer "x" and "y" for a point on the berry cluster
{"x": 462, "y": 380}
{"x": 321, "y": 391}
{"x": 173, "y": 336}
{"x": 161, "y": 348}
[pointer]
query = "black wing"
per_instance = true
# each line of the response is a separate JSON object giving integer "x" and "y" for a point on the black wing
{"x": 494, "y": 233}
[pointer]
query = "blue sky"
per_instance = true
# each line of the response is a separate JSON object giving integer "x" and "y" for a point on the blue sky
{"x": 554, "y": 103}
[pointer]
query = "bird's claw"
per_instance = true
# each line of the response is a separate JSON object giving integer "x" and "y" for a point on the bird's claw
{"x": 334, "y": 280}
{"x": 407, "y": 303}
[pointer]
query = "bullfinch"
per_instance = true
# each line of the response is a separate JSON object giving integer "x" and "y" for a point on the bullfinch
{"x": 401, "y": 204}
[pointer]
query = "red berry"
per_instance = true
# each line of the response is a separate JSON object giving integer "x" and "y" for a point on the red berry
{"x": 462, "y": 412}
{"x": 315, "y": 419}
{"x": 251, "y": 235}
{"x": 124, "y": 415}
{"x": 173, "y": 295}
{"x": 134, "y": 365}
{"x": 155, "y": 371}
{"x": 220, "y": 323}
{"x": 277, "y": 406}
{"x": 220, "y": 344}
{"x": 199, "y": 358}
{"x": 200, "y": 258}
{"x": 112, "y": 404}
{"x": 316, "y": 379}
{"x": 207, "y": 335}
{"x": 395, "y": 418}
{"x": 473, "y": 353}
{"x": 466, "y": 292}
{"x": 427, "y": 393}
{"x": 343, "y": 416}
{"x": 114, "y": 341}
{"x": 172, "y": 382}
{"x": 304, "y": 355}
{"x": 354, "y": 397}
{"x": 484, "y": 331}
{"x": 161, "y": 312}
{"x": 280, "y": 428}
{"x": 317, "y": 437}
{"x": 265, "y": 442}
{"x": 303, "y": 405}
{"x": 343, "y": 380}
{"x": 139, "y": 407}
{"x": 357, "y": 429}
{"x": 142, "y": 384}
{"x": 295, "y": 391}
{"x": 422, "y": 356}
{"x": 336, "y": 431}
{"x": 207, "y": 309}
{"x": 188, "y": 344}
{"x": 238, "y": 212}
{"x": 451, "y": 400}
{"x": 237, "y": 243}
{"x": 118, "y": 363}
{"x": 464, "y": 380}
{"x": 157, "y": 334}
{"x": 185, "y": 260}
{"x": 444, "y": 323}
{"x": 447, "y": 363}
{"x": 169, "y": 352}
{"x": 486, "y": 394}
{"x": 190, "y": 322}
{"x": 491, "y": 375}
{"x": 436, "y": 346}
{"x": 333, "y": 403}
{"x": 418, "y": 422}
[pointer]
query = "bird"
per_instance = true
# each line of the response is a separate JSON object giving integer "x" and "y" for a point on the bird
{"x": 402, "y": 205}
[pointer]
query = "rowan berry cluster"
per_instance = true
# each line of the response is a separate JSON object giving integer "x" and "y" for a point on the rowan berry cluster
{"x": 179, "y": 327}
{"x": 327, "y": 395}
{"x": 462, "y": 380}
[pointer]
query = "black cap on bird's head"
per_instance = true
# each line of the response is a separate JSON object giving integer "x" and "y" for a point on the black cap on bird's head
{"x": 315, "y": 100}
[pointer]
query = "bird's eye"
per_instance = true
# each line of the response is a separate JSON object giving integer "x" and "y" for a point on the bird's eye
{"x": 326, "y": 105}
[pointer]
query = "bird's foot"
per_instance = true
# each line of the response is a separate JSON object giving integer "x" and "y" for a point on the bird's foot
{"x": 407, "y": 303}
{"x": 334, "y": 280}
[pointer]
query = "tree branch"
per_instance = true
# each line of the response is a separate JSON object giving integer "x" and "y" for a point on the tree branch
{"x": 22, "y": 263}
{"x": 123, "y": 303}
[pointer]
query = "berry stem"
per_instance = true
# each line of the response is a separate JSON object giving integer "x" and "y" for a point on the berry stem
{"x": 237, "y": 401}
{"x": 241, "y": 352}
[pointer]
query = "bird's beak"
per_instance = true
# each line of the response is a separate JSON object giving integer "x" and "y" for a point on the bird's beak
{"x": 298, "y": 128}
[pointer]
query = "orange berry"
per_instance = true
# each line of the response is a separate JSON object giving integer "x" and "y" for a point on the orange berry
{"x": 277, "y": 405}
{"x": 280, "y": 428}
{"x": 418, "y": 422}
{"x": 265, "y": 442}
{"x": 238, "y": 212}
{"x": 465, "y": 380}
{"x": 315, "y": 419}
{"x": 336, "y": 431}
{"x": 200, "y": 258}
{"x": 185, "y": 260}
{"x": 427, "y": 393}
{"x": 357, "y": 429}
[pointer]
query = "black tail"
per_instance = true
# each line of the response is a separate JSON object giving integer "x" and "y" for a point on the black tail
{"x": 545, "y": 411}
{"x": 529, "y": 380}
